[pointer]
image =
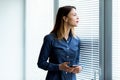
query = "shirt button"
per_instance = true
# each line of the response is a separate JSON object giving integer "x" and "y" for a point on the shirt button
{"x": 67, "y": 47}
{"x": 67, "y": 56}
{"x": 67, "y": 41}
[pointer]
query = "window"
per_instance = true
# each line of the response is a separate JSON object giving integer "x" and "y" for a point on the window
{"x": 88, "y": 31}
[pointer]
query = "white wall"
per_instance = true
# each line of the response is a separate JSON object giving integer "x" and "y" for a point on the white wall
{"x": 39, "y": 22}
{"x": 11, "y": 39}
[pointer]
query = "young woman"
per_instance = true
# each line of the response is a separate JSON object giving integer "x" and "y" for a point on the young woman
{"x": 61, "y": 48}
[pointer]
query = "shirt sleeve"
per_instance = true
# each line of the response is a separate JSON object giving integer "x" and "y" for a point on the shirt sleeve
{"x": 44, "y": 55}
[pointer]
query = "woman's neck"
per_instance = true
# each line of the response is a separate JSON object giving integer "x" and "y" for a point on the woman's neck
{"x": 67, "y": 31}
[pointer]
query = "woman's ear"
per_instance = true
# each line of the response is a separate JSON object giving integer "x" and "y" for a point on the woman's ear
{"x": 65, "y": 18}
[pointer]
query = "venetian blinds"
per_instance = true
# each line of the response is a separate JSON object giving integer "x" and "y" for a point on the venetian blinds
{"x": 88, "y": 31}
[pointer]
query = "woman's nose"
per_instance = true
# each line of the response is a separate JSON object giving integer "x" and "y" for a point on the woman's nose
{"x": 77, "y": 17}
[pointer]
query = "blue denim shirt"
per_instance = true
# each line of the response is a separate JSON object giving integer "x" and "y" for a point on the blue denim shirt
{"x": 55, "y": 52}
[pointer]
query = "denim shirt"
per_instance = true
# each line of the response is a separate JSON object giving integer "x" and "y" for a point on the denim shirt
{"x": 54, "y": 52}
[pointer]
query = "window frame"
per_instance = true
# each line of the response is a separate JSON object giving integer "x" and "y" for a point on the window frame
{"x": 107, "y": 39}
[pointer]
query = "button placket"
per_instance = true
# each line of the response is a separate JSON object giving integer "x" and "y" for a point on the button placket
{"x": 67, "y": 45}
{"x": 67, "y": 41}
{"x": 67, "y": 48}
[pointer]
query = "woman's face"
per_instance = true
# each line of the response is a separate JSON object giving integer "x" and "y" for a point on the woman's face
{"x": 72, "y": 18}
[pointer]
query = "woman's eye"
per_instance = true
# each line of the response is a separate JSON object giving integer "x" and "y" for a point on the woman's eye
{"x": 75, "y": 15}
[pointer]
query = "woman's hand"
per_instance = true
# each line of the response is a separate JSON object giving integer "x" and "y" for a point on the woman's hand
{"x": 64, "y": 66}
{"x": 77, "y": 69}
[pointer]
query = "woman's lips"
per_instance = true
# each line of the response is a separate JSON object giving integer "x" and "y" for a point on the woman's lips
{"x": 77, "y": 21}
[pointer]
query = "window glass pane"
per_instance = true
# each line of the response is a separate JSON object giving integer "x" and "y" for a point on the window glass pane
{"x": 88, "y": 31}
{"x": 116, "y": 40}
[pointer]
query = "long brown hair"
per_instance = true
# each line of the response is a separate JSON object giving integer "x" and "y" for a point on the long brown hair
{"x": 59, "y": 28}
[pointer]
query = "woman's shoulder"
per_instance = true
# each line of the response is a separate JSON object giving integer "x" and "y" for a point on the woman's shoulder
{"x": 49, "y": 36}
{"x": 77, "y": 37}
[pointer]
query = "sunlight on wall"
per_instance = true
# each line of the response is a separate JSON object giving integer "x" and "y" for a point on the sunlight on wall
{"x": 11, "y": 40}
{"x": 39, "y": 22}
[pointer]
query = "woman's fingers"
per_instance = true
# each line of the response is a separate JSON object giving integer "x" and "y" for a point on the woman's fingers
{"x": 64, "y": 66}
{"x": 77, "y": 69}
{"x": 70, "y": 69}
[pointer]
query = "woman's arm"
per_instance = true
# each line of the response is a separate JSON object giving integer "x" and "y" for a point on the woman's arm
{"x": 44, "y": 55}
